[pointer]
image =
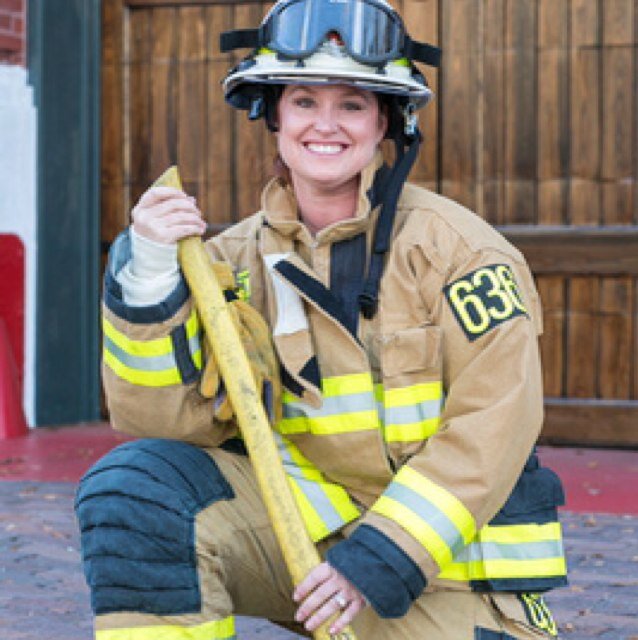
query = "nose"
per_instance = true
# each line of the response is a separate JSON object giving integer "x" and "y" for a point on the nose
{"x": 326, "y": 121}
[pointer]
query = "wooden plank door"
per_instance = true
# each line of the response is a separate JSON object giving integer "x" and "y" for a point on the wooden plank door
{"x": 535, "y": 127}
{"x": 163, "y": 105}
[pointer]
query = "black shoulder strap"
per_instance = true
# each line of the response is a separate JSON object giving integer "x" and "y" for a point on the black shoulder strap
{"x": 238, "y": 39}
{"x": 369, "y": 296}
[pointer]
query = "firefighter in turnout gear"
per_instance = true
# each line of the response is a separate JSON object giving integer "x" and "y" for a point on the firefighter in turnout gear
{"x": 406, "y": 332}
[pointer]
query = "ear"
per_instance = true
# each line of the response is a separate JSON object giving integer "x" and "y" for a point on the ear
{"x": 383, "y": 120}
{"x": 272, "y": 116}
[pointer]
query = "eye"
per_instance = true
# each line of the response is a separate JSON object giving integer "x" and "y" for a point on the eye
{"x": 353, "y": 105}
{"x": 305, "y": 102}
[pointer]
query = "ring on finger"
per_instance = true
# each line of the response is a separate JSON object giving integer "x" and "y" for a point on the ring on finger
{"x": 339, "y": 598}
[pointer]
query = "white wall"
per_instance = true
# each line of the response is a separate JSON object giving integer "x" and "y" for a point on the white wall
{"x": 17, "y": 196}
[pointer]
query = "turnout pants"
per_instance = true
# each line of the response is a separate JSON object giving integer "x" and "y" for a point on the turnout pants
{"x": 176, "y": 541}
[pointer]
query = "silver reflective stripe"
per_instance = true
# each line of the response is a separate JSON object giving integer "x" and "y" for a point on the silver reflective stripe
{"x": 194, "y": 344}
{"x": 311, "y": 489}
{"x": 427, "y": 512}
{"x": 410, "y": 414}
{"x": 332, "y": 405}
{"x": 477, "y": 551}
{"x": 141, "y": 363}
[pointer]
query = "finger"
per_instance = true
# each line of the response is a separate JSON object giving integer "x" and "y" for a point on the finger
{"x": 182, "y": 216}
{"x": 317, "y": 576}
{"x": 330, "y": 609}
{"x": 165, "y": 235}
{"x": 166, "y": 208}
{"x": 346, "y": 617}
{"x": 169, "y": 228}
{"x": 179, "y": 232}
{"x": 319, "y": 602}
{"x": 157, "y": 194}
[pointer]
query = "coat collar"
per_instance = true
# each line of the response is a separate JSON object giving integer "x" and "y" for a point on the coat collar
{"x": 280, "y": 210}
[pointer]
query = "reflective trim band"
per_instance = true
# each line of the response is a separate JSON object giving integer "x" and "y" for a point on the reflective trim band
{"x": 410, "y": 414}
{"x": 325, "y": 507}
{"x": 344, "y": 385}
{"x": 510, "y": 552}
{"x": 216, "y": 630}
{"x": 149, "y": 363}
{"x": 353, "y": 403}
{"x": 348, "y": 405}
{"x": 432, "y": 515}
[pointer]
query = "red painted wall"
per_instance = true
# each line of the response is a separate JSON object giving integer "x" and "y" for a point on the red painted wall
{"x": 13, "y": 31}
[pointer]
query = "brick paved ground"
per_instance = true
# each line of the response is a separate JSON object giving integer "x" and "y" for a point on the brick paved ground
{"x": 43, "y": 596}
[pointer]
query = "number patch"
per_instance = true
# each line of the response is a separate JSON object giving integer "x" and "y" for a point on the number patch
{"x": 485, "y": 298}
{"x": 538, "y": 613}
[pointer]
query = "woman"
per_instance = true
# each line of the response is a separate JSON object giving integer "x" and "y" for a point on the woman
{"x": 412, "y": 380}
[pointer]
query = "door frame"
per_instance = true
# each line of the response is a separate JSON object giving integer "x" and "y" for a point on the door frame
{"x": 64, "y": 59}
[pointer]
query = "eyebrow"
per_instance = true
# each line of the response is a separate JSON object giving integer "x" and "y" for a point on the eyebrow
{"x": 350, "y": 92}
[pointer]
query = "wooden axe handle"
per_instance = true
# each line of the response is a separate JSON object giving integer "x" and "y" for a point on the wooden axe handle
{"x": 298, "y": 549}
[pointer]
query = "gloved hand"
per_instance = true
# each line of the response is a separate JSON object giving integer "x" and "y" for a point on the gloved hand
{"x": 255, "y": 336}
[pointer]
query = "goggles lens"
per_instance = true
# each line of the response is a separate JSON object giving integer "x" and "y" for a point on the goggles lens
{"x": 371, "y": 31}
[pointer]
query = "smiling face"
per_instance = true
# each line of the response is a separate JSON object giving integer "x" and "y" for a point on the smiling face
{"x": 328, "y": 134}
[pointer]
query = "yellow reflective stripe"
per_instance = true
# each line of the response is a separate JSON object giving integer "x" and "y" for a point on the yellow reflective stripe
{"x": 353, "y": 403}
{"x": 348, "y": 406}
{"x": 346, "y": 385}
{"x": 414, "y": 432}
{"x": 328, "y": 425}
{"x": 432, "y": 515}
{"x": 157, "y": 347}
{"x": 520, "y": 533}
{"x": 416, "y": 527}
{"x": 149, "y": 362}
{"x": 511, "y": 552}
{"x": 215, "y": 630}
{"x": 442, "y": 499}
{"x": 339, "y": 386}
{"x": 315, "y": 526}
{"x": 325, "y": 506}
{"x": 413, "y": 394}
{"x": 164, "y": 378}
{"x": 410, "y": 414}
{"x": 504, "y": 569}
{"x": 192, "y": 325}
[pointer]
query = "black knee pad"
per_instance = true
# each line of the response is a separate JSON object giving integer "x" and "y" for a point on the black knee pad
{"x": 136, "y": 509}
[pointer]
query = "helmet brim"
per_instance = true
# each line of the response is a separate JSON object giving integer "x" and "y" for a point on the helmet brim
{"x": 415, "y": 92}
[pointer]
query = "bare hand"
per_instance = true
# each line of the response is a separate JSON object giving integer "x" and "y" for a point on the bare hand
{"x": 323, "y": 593}
{"x": 166, "y": 215}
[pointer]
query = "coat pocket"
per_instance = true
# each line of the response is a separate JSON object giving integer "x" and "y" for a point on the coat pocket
{"x": 411, "y": 353}
{"x": 410, "y": 397}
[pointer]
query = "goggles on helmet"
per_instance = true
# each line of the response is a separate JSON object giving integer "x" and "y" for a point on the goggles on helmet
{"x": 371, "y": 31}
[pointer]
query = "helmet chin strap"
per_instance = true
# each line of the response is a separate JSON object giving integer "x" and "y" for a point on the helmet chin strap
{"x": 392, "y": 186}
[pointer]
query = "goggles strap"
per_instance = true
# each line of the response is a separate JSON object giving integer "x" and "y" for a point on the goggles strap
{"x": 239, "y": 39}
{"x": 422, "y": 52}
{"x": 369, "y": 296}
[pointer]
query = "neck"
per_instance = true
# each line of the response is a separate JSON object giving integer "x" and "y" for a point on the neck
{"x": 319, "y": 208}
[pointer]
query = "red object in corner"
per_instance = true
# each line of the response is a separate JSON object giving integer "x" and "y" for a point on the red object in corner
{"x": 12, "y": 296}
{"x": 12, "y": 422}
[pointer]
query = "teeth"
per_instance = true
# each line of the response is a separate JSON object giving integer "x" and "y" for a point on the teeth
{"x": 326, "y": 149}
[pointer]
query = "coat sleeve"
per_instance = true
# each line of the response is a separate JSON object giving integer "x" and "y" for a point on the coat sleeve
{"x": 152, "y": 361}
{"x": 488, "y": 312}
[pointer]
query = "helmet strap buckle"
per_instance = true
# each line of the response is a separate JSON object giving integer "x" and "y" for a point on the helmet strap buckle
{"x": 411, "y": 120}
